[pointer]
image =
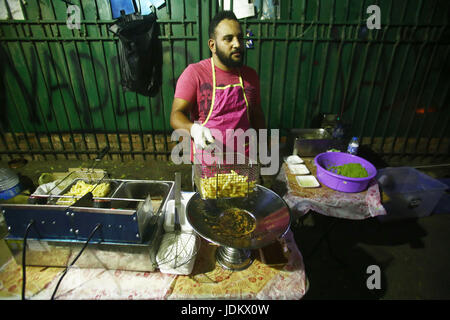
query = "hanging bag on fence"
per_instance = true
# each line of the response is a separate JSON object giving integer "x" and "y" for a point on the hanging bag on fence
{"x": 140, "y": 53}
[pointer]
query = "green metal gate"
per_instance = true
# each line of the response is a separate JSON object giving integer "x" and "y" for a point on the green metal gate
{"x": 61, "y": 94}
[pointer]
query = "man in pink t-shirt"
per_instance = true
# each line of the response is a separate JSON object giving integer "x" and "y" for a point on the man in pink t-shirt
{"x": 218, "y": 93}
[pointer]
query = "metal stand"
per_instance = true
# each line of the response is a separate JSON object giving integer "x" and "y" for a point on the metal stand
{"x": 268, "y": 209}
{"x": 234, "y": 259}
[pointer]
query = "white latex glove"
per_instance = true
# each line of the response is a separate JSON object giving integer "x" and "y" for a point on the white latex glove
{"x": 201, "y": 135}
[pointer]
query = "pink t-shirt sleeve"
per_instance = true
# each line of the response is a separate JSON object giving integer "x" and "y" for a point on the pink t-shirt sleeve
{"x": 186, "y": 88}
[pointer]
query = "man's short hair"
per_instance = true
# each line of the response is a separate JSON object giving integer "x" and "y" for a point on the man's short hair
{"x": 221, "y": 15}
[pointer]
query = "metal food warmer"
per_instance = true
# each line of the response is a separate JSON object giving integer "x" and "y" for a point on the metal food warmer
{"x": 130, "y": 215}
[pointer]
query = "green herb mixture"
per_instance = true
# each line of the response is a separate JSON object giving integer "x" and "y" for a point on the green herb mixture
{"x": 350, "y": 170}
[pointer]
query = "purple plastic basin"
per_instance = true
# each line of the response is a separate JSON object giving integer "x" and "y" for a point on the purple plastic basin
{"x": 338, "y": 182}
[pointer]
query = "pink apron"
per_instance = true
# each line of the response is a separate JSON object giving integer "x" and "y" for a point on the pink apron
{"x": 229, "y": 110}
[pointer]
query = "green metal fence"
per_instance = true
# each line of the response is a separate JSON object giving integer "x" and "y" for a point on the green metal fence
{"x": 61, "y": 94}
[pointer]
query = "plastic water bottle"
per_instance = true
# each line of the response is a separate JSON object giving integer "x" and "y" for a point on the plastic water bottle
{"x": 353, "y": 146}
{"x": 338, "y": 131}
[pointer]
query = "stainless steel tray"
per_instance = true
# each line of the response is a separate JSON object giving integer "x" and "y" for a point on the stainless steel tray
{"x": 311, "y": 142}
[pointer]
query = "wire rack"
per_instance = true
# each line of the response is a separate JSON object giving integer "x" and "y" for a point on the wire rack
{"x": 225, "y": 175}
{"x": 58, "y": 192}
{"x": 178, "y": 250}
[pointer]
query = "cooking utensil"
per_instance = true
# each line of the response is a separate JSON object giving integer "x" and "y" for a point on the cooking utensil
{"x": 87, "y": 198}
{"x": 176, "y": 223}
{"x": 178, "y": 249}
{"x": 224, "y": 175}
{"x": 267, "y": 210}
{"x": 177, "y": 227}
{"x": 99, "y": 157}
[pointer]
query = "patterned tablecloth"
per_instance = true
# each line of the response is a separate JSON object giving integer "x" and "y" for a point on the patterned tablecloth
{"x": 326, "y": 201}
{"x": 208, "y": 280}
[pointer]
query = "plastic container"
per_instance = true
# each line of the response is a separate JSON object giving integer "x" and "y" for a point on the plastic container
{"x": 443, "y": 206}
{"x": 169, "y": 217}
{"x": 353, "y": 146}
{"x": 307, "y": 181}
{"x": 298, "y": 169}
{"x": 410, "y": 193}
{"x": 338, "y": 182}
{"x": 9, "y": 184}
{"x": 338, "y": 131}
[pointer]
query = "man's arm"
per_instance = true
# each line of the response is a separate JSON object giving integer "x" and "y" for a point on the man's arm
{"x": 257, "y": 119}
{"x": 179, "y": 118}
{"x": 256, "y": 114}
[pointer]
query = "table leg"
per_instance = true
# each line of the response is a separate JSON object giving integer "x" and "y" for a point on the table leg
{"x": 326, "y": 237}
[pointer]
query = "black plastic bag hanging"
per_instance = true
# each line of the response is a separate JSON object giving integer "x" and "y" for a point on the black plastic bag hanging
{"x": 140, "y": 53}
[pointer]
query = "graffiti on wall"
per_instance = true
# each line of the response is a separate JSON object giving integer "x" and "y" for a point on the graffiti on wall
{"x": 75, "y": 90}
{"x": 69, "y": 83}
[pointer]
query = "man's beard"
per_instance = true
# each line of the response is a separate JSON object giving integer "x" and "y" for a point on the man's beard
{"x": 228, "y": 60}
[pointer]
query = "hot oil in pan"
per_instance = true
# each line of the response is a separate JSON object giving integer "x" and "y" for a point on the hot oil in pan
{"x": 235, "y": 223}
{"x": 124, "y": 205}
{"x": 132, "y": 205}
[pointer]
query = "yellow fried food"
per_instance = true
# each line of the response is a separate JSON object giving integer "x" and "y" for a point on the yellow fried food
{"x": 234, "y": 222}
{"x": 226, "y": 185}
{"x": 81, "y": 188}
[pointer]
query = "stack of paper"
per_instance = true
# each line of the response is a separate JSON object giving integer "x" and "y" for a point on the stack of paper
{"x": 241, "y": 8}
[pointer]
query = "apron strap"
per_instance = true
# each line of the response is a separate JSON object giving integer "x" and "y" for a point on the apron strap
{"x": 214, "y": 92}
{"x": 241, "y": 84}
